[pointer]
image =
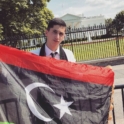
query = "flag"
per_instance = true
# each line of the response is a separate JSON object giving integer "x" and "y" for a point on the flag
{"x": 43, "y": 90}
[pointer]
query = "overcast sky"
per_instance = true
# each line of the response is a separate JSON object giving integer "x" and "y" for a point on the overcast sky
{"x": 108, "y": 8}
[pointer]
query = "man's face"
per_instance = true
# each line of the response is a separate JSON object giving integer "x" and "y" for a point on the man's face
{"x": 55, "y": 35}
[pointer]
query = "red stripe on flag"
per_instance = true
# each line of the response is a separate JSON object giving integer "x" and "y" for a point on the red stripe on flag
{"x": 61, "y": 68}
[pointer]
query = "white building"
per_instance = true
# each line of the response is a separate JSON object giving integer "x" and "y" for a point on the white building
{"x": 79, "y": 21}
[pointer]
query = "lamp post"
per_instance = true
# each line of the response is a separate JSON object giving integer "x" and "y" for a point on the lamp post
{"x": 69, "y": 31}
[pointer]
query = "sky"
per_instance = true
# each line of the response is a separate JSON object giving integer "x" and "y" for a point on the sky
{"x": 108, "y": 8}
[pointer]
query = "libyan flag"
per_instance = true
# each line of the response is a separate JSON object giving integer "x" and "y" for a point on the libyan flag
{"x": 42, "y": 90}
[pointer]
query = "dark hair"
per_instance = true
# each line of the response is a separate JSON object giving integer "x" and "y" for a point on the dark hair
{"x": 56, "y": 21}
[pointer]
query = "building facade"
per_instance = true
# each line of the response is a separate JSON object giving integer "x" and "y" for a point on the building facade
{"x": 79, "y": 21}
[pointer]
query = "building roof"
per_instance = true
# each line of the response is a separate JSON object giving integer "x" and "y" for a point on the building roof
{"x": 71, "y": 15}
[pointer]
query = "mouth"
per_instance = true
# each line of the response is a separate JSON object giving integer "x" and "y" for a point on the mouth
{"x": 56, "y": 41}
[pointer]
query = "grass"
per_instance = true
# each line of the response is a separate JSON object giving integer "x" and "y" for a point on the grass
{"x": 95, "y": 50}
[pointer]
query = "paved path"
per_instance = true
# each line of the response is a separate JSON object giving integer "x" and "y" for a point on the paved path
{"x": 119, "y": 79}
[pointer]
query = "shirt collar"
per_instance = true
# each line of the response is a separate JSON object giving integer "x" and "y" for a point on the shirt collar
{"x": 48, "y": 51}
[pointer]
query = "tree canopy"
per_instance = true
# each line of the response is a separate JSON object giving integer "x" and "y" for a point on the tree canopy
{"x": 118, "y": 22}
{"x": 109, "y": 26}
{"x": 19, "y": 17}
{"x": 115, "y": 25}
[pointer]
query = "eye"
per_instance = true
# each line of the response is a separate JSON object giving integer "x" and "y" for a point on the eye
{"x": 55, "y": 32}
{"x": 61, "y": 34}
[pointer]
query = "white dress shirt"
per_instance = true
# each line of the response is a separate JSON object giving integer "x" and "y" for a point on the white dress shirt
{"x": 68, "y": 53}
{"x": 48, "y": 52}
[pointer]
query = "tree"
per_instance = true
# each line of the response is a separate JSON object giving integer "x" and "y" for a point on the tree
{"x": 109, "y": 26}
{"x": 24, "y": 16}
{"x": 118, "y": 22}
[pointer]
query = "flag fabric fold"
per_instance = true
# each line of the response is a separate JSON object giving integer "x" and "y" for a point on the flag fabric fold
{"x": 42, "y": 90}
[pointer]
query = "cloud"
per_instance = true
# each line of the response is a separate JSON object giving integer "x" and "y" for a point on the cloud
{"x": 119, "y": 5}
{"x": 108, "y": 8}
{"x": 98, "y": 2}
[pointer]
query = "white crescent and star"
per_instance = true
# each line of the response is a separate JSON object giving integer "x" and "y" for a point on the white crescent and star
{"x": 63, "y": 106}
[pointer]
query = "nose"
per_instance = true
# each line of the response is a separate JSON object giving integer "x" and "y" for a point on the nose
{"x": 57, "y": 36}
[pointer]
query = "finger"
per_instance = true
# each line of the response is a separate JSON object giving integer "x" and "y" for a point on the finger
{"x": 109, "y": 66}
{"x": 110, "y": 116}
{"x": 111, "y": 107}
{"x": 112, "y": 90}
{"x": 112, "y": 100}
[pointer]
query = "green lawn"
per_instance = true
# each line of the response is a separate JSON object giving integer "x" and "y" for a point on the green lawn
{"x": 97, "y": 50}
{"x": 94, "y": 50}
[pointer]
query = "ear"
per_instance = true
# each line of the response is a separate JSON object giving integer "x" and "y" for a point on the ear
{"x": 64, "y": 36}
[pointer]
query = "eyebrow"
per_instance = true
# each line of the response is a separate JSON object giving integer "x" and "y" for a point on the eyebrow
{"x": 58, "y": 31}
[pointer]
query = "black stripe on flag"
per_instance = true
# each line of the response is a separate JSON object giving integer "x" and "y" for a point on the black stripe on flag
{"x": 90, "y": 101}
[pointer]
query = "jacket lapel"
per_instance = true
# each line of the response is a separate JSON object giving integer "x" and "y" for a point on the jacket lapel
{"x": 62, "y": 52}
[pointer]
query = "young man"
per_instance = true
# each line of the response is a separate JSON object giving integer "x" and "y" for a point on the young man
{"x": 55, "y": 34}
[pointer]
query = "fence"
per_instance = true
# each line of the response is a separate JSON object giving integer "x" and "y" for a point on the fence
{"x": 86, "y": 43}
{"x": 94, "y": 43}
{"x": 120, "y": 87}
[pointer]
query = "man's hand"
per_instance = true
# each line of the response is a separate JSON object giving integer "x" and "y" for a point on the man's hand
{"x": 111, "y": 102}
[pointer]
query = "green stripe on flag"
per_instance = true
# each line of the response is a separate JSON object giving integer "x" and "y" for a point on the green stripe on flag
{"x": 6, "y": 123}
